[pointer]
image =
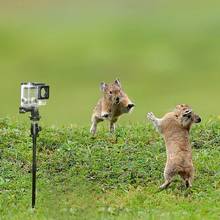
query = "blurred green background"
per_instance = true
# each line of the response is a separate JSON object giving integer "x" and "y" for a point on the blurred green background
{"x": 164, "y": 53}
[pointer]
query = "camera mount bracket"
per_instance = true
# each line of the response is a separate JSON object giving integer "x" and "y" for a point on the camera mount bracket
{"x": 35, "y": 129}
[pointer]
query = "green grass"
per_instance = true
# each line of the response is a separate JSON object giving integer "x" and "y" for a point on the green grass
{"x": 106, "y": 177}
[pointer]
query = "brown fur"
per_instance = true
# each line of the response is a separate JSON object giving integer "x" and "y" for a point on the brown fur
{"x": 111, "y": 106}
{"x": 175, "y": 127}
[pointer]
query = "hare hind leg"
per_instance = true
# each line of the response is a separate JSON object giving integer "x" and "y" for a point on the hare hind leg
{"x": 187, "y": 177}
{"x": 169, "y": 173}
{"x": 95, "y": 121}
{"x": 112, "y": 125}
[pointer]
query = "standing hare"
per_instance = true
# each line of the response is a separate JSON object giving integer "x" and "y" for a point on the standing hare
{"x": 175, "y": 127}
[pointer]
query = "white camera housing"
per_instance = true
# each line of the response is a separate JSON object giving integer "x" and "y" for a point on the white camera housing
{"x": 34, "y": 95}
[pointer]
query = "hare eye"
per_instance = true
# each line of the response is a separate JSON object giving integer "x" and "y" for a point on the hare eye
{"x": 110, "y": 92}
{"x": 187, "y": 116}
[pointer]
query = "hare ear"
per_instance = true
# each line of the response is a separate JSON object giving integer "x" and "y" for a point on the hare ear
{"x": 103, "y": 86}
{"x": 178, "y": 106}
{"x": 117, "y": 82}
{"x": 177, "y": 114}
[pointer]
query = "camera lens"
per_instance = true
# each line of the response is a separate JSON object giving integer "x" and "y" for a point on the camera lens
{"x": 43, "y": 93}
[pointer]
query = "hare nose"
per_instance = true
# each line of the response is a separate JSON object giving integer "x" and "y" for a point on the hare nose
{"x": 117, "y": 99}
{"x": 130, "y": 106}
{"x": 199, "y": 120}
